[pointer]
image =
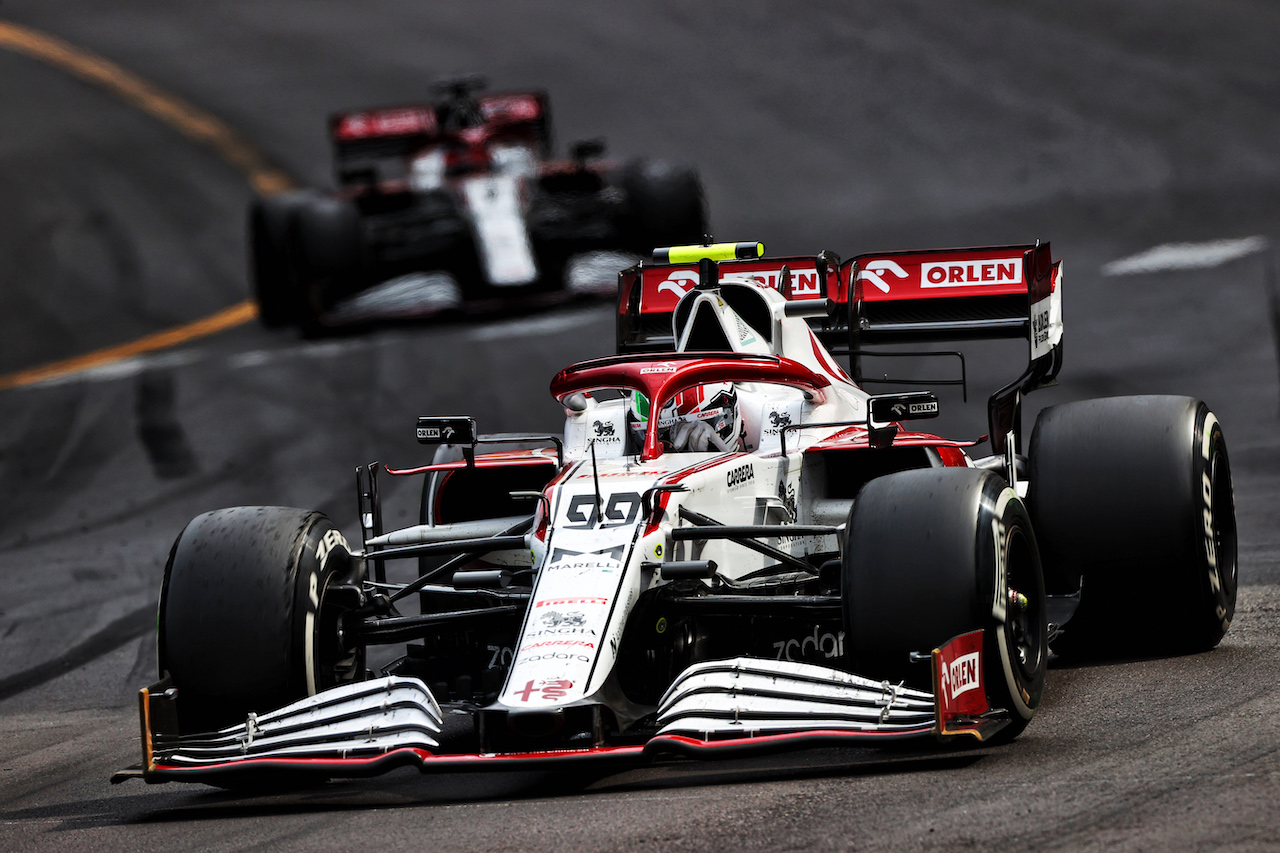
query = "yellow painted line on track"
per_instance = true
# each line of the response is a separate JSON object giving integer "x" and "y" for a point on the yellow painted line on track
{"x": 198, "y": 126}
{"x": 193, "y": 123}
{"x": 227, "y": 318}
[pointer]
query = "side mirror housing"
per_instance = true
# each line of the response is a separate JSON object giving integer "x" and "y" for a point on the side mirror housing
{"x": 448, "y": 430}
{"x": 884, "y": 409}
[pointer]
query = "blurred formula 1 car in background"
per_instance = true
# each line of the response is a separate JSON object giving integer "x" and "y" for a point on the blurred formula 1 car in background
{"x": 460, "y": 200}
{"x": 732, "y": 547}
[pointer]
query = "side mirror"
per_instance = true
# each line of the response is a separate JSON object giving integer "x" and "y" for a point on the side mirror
{"x": 451, "y": 430}
{"x": 884, "y": 409}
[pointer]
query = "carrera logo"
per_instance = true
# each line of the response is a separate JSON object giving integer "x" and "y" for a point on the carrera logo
{"x": 961, "y": 675}
{"x": 739, "y": 476}
{"x": 547, "y": 643}
{"x": 969, "y": 273}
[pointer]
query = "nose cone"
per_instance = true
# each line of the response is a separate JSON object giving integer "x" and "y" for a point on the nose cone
{"x": 536, "y": 722}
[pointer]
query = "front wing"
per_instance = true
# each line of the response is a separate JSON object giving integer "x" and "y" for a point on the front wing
{"x": 713, "y": 709}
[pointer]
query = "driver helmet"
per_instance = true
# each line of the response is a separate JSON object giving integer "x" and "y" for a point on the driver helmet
{"x": 702, "y": 418}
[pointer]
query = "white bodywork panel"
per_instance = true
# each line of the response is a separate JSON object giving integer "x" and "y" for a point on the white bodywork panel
{"x": 494, "y": 205}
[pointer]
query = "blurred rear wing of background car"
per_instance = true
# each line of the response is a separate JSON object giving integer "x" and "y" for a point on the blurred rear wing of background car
{"x": 887, "y": 298}
{"x": 360, "y": 137}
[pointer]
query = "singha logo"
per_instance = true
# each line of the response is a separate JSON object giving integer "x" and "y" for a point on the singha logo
{"x": 779, "y": 419}
{"x": 556, "y": 619}
{"x": 603, "y": 428}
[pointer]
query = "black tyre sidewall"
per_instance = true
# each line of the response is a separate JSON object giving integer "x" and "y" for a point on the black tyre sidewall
{"x": 240, "y": 609}
{"x": 920, "y": 567}
{"x": 271, "y": 262}
{"x": 1122, "y": 494}
{"x": 326, "y": 237}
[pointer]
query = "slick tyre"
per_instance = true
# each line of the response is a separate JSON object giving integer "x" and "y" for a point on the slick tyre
{"x": 272, "y": 262}
{"x": 667, "y": 205}
{"x": 1133, "y": 506}
{"x": 934, "y": 553}
{"x": 327, "y": 240}
{"x": 249, "y": 613}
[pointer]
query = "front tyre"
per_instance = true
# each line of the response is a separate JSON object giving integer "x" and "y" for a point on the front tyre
{"x": 250, "y": 613}
{"x": 273, "y": 265}
{"x": 330, "y": 251}
{"x": 934, "y": 553}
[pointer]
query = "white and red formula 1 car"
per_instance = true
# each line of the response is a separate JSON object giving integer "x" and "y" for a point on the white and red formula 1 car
{"x": 732, "y": 547}
{"x": 459, "y": 201}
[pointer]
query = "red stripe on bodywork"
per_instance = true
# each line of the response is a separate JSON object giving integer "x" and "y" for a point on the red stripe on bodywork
{"x": 427, "y": 761}
{"x": 480, "y": 462}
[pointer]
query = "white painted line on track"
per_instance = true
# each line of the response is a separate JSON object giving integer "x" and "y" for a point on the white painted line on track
{"x": 314, "y": 350}
{"x": 1186, "y": 256}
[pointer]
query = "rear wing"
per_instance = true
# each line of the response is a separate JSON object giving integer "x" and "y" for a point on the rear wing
{"x": 648, "y": 293}
{"x": 398, "y": 132}
{"x": 886, "y": 298}
{"x": 417, "y": 123}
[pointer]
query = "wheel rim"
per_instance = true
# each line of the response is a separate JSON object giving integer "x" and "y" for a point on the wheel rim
{"x": 338, "y": 660}
{"x": 1025, "y": 628}
{"x": 1223, "y": 532}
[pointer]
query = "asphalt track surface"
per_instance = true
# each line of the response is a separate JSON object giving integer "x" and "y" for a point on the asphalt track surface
{"x": 1106, "y": 127}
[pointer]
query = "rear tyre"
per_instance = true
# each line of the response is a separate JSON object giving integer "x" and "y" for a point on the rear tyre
{"x": 249, "y": 613}
{"x": 934, "y": 553}
{"x": 1133, "y": 505}
{"x": 667, "y": 206}
{"x": 272, "y": 265}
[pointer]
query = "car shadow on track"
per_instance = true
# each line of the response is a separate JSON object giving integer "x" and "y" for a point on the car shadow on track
{"x": 407, "y": 788}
